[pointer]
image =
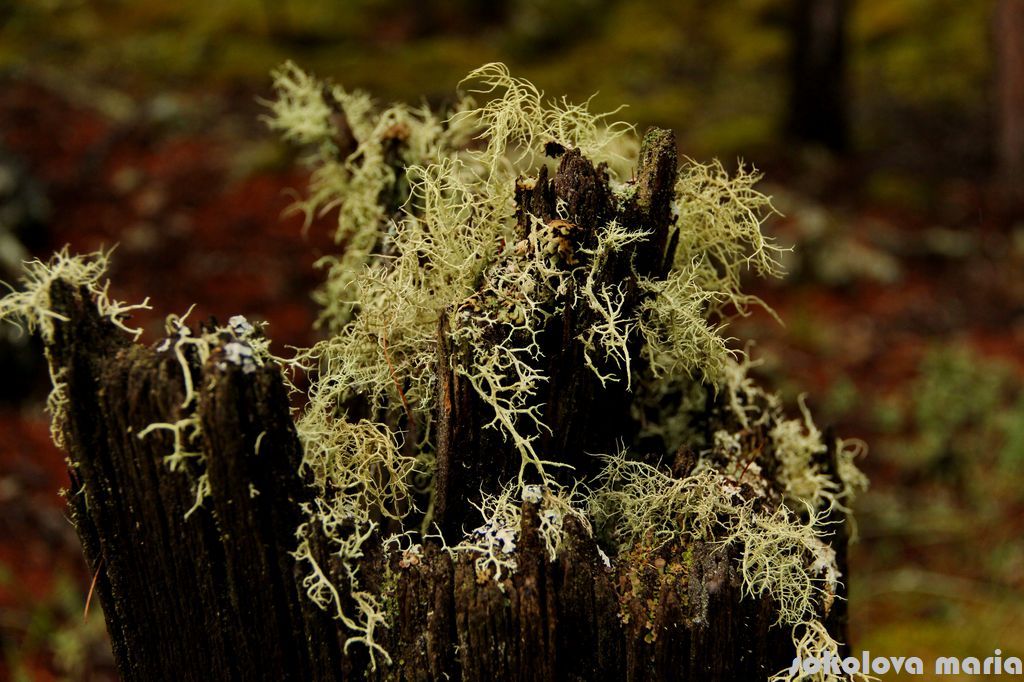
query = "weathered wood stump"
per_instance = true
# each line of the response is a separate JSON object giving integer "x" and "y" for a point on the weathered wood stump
{"x": 215, "y": 594}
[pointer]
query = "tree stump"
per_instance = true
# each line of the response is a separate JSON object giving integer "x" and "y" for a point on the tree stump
{"x": 215, "y": 593}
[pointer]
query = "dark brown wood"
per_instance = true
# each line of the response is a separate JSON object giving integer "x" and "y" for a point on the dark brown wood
{"x": 211, "y": 596}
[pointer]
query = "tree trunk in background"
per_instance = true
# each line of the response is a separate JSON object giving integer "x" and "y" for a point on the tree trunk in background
{"x": 817, "y": 104}
{"x": 1009, "y": 30}
{"x": 216, "y": 594}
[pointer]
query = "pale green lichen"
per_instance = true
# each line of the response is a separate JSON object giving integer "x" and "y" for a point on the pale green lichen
{"x": 492, "y": 545}
{"x": 679, "y": 338}
{"x": 237, "y": 343}
{"x": 516, "y": 123}
{"x": 784, "y": 557}
{"x": 402, "y": 271}
{"x": 609, "y": 337}
{"x": 351, "y": 142}
{"x": 813, "y": 642}
{"x": 637, "y": 502}
{"x": 360, "y": 477}
{"x": 799, "y": 449}
{"x": 426, "y": 208}
{"x": 30, "y": 306}
{"x": 185, "y": 432}
{"x": 780, "y": 540}
{"x": 366, "y": 613}
{"x": 441, "y": 250}
{"x": 723, "y": 215}
{"x": 780, "y": 554}
{"x": 356, "y": 468}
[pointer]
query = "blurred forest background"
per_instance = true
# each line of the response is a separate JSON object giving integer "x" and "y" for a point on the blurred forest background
{"x": 891, "y": 133}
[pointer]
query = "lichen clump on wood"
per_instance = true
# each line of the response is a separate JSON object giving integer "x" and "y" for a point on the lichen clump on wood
{"x": 426, "y": 207}
{"x": 236, "y": 343}
{"x": 437, "y": 252}
{"x": 30, "y": 306}
{"x": 434, "y": 235}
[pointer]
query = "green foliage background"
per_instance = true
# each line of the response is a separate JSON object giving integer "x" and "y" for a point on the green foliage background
{"x": 713, "y": 70}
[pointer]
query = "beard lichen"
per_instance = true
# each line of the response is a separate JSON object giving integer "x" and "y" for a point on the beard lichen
{"x": 492, "y": 545}
{"x": 431, "y": 244}
{"x": 813, "y": 642}
{"x": 430, "y": 233}
{"x": 238, "y": 343}
{"x": 30, "y": 306}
